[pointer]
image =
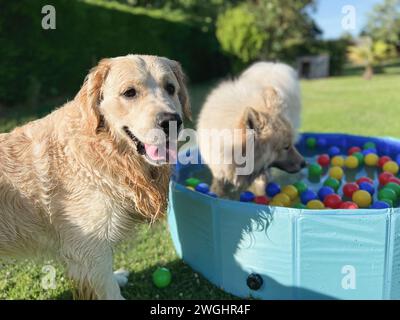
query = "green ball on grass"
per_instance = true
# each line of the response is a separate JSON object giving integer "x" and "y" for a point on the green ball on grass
{"x": 162, "y": 277}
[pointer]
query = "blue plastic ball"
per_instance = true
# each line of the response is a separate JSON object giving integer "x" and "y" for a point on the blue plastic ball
{"x": 272, "y": 189}
{"x": 367, "y": 187}
{"x": 324, "y": 191}
{"x": 307, "y": 196}
{"x": 212, "y": 194}
{"x": 321, "y": 142}
{"x": 368, "y": 151}
{"x": 202, "y": 187}
{"x": 380, "y": 205}
{"x": 333, "y": 151}
{"x": 247, "y": 196}
{"x": 398, "y": 159}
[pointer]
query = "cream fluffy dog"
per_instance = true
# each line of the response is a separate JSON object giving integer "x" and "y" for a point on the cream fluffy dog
{"x": 266, "y": 99}
{"x": 75, "y": 182}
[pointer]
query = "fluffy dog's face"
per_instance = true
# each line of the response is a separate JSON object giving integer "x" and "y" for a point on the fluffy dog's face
{"x": 273, "y": 137}
{"x": 141, "y": 98}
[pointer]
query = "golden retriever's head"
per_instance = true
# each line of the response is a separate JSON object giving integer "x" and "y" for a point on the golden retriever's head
{"x": 141, "y": 100}
{"x": 274, "y": 135}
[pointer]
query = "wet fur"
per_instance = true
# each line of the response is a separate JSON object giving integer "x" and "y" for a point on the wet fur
{"x": 71, "y": 188}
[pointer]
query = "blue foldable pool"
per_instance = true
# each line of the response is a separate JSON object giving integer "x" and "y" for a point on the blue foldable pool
{"x": 252, "y": 250}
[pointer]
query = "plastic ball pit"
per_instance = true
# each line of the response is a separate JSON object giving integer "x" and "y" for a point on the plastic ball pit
{"x": 297, "y": 253}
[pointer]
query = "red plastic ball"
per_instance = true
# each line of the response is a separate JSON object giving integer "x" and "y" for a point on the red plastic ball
{"x": 332, "y": 201}
{"x": 395, "y": 180}
{"x": 348, "y": 205}
{"x": 324, "y": 160}
{"x": 382, "y": 160}
{"x": 365, "y": 179}
{"x": 261, "y": 200}
{"x": 350, "y": 188}
{"x": 353, "y": 150}
{"x": 384, "y": 178}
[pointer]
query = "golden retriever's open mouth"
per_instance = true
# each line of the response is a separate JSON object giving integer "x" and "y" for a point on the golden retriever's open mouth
{"x": 155, "y": 154}
{"x": 139, "y": 145}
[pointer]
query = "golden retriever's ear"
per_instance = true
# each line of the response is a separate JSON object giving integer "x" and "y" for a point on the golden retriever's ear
{"x": 183, "y": 93}
{"x": 91, "y": 95}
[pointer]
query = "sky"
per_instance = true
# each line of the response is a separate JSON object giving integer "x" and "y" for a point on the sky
{"x": 329, "y": 16}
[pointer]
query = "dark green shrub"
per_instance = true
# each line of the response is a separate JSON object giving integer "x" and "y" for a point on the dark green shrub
{"x": 44, "y": 63}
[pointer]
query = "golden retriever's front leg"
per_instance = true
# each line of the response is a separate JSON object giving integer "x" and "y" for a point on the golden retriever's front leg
{"x": 93, "y": 275}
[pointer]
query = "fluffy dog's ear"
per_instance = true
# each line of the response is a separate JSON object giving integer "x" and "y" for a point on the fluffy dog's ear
{"x": 258, "y": 121}
{"x": 251, "y": 119}
{"x": 183, "y": 93}
{"x": 91, "y": 95}
{"x": 273, "y": 100}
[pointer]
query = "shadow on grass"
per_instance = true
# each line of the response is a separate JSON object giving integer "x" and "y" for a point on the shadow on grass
{"x": 185, "y": 284}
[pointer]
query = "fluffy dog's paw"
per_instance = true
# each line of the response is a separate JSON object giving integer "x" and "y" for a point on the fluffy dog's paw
{"x": 121, "y": 275}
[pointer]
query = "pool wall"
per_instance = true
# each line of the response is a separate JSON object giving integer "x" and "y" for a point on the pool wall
{"x": 298, "y": 254}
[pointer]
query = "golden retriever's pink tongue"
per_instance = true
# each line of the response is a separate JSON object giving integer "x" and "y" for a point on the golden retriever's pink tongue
{"x": 160, "y": 152}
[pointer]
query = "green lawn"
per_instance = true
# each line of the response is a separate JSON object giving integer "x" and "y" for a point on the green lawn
{"x": 346, "y": 104}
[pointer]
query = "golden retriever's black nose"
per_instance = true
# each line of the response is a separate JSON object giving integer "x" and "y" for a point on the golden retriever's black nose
{"x": 165, "y": 118}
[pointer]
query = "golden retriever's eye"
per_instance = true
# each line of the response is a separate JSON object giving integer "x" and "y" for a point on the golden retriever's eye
{"x": 130, "y": 93}
{"x": 170, "y": 88}
{"x": 287, "y": 148}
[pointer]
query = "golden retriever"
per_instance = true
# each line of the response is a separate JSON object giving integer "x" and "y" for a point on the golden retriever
{"x": 73, "y": 183}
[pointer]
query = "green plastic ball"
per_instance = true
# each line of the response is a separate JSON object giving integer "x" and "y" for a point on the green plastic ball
{"x": 369, "y": 145}
{"x": 387, "y": 193}
{"x": 333, "y": 183}
{"x": 314, "y": 170}
{"x": 300, "y": 206}
{"x": 300, "y": 186}
{"x": 311, "y": 143}
{"x": 389, "y": 202}
{"x": 162, "y": 277}
{"x": 360, "y": 157}
{"x": 192, "y": 182}
{"x": 395, "y": 187}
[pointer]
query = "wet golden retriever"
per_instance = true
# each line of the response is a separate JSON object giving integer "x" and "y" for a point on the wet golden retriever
{"x": 73, "y": 183}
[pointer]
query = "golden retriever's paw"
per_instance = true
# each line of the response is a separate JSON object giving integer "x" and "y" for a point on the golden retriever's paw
{"x": 121, "y": 275}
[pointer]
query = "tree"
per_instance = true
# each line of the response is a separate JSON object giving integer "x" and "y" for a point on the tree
{"x": 266, "y": 28}
{"x": 384, "y": 23}
{"x": 239, "y": 34}
{"x": 369, "y": 53}
{"x": 205, "y": 12}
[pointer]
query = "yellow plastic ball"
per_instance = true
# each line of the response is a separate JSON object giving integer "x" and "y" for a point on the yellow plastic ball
{"x": 351, "y": 162}
{"x": 362, "y": 198}
{"x": 315, "y": 204}
{"x": 190, "y": 188}
{"x": 337, "y": 161}
{"x": 291, "y": 191}
{"x": 391, "y": 167}
{"x": 336, "y": 172}
{"x": 276, "y": 203}
{"x": 282, "y": 198}
{"x": 371, "y": 159}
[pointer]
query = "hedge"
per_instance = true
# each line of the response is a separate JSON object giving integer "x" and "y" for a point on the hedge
{"x": 45, "y": 63}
